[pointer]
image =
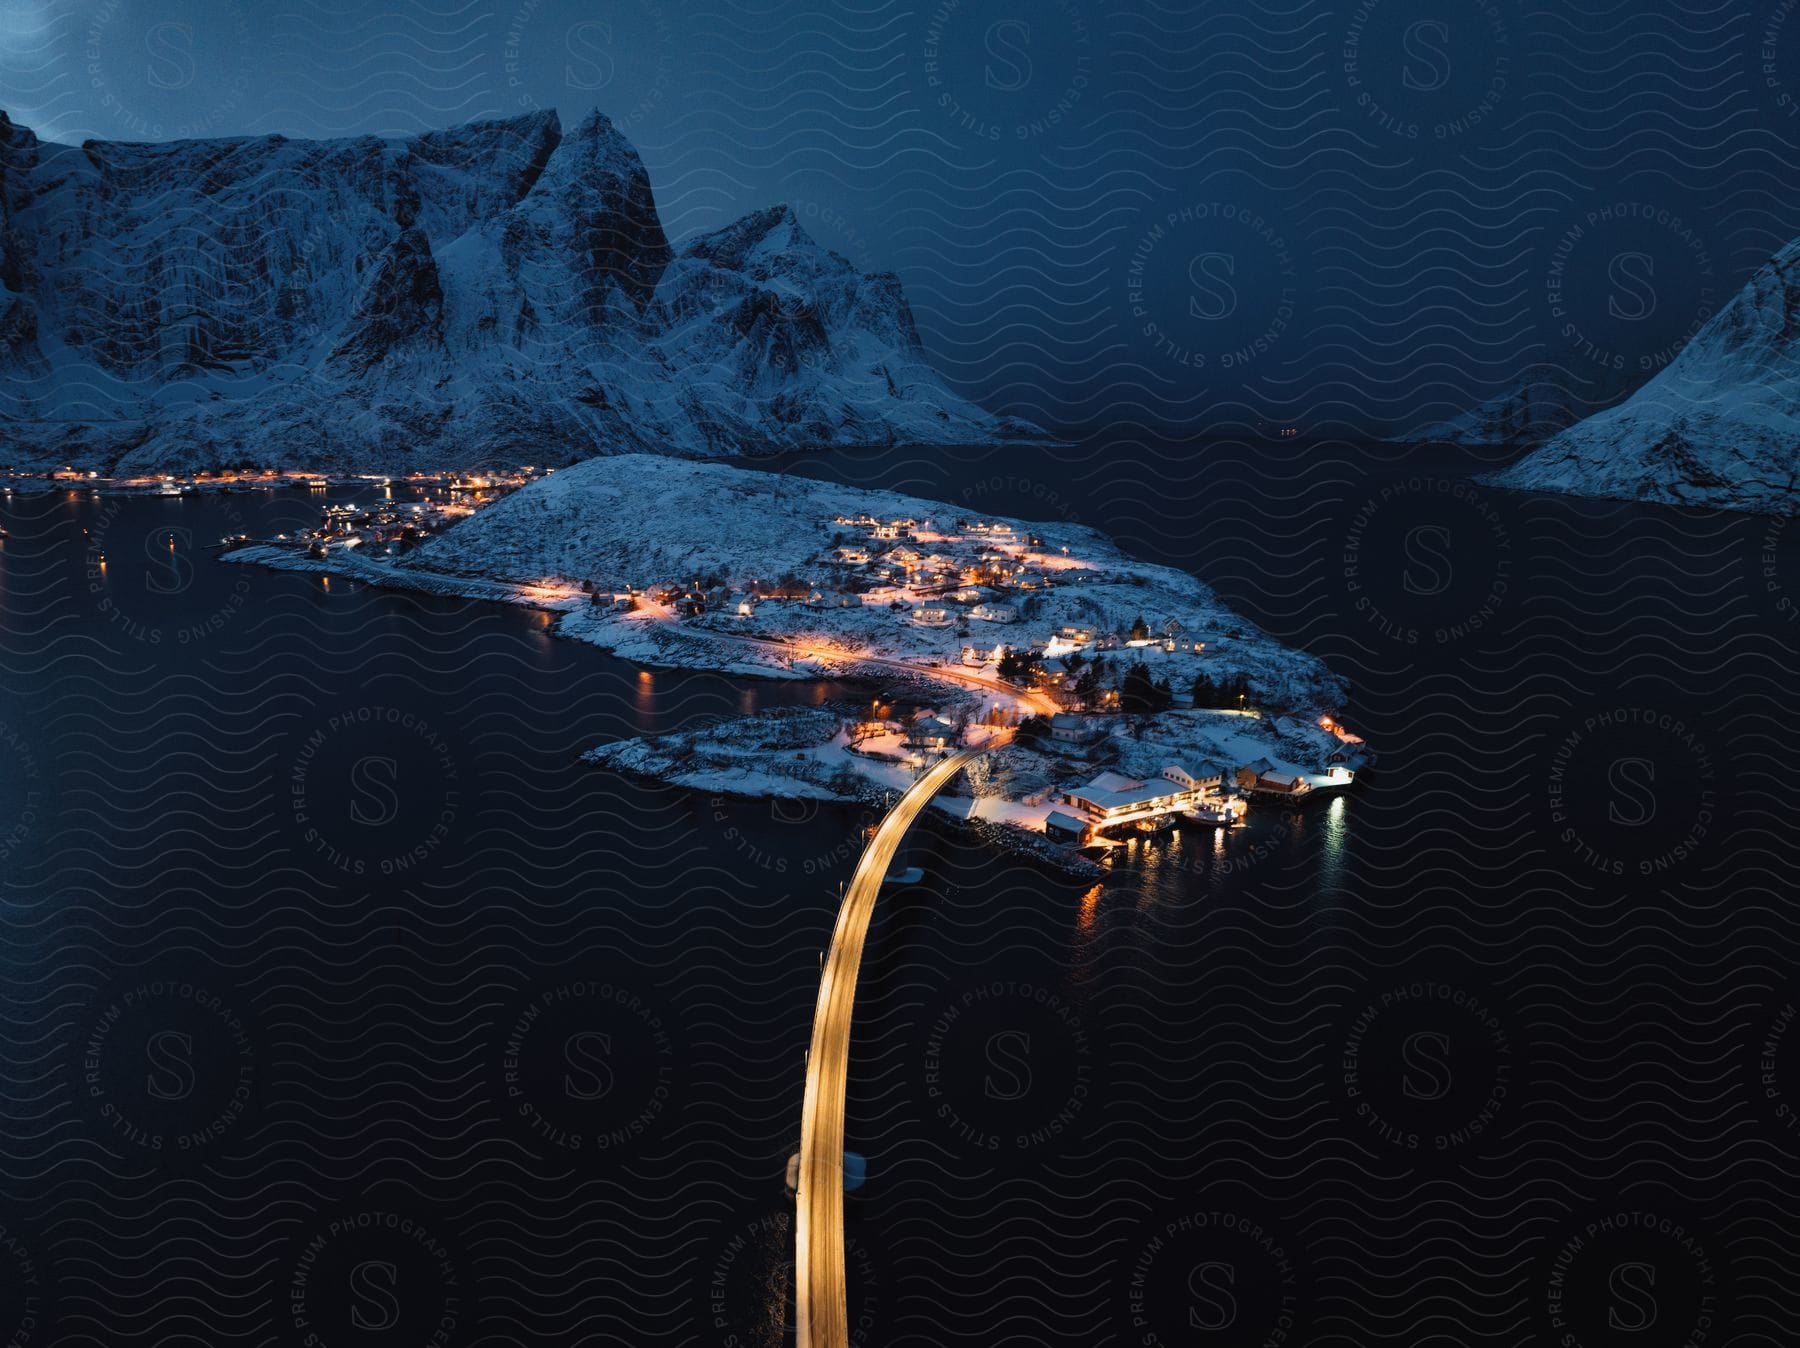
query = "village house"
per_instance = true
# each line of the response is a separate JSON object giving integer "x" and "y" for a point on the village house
{"x": 994, "y": 613}
{"x": 1115, "y": 798}
{"x": 1060, "y": 826}
{"x": 931, "y": 616}
{"x": 833, "y": 599}
{"x": 1263, "y": 778}
{"x": 931, "y": 734}
{"x": 1211, "y": 777}
{"x": 890, "y": 529}
{"x": 1067, "y": 728}
{"x": 996, "y": 531}
{"x": 1247, "y": 773}
{"x": 1345, "y": 762}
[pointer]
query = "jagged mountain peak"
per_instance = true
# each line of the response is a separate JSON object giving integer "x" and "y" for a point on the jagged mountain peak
{"x": 761, "y": 236}
{"x": 497, "y": 292}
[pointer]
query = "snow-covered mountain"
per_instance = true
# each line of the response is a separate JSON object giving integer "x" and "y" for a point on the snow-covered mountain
{"x": 1550, "y": 396}
{"x": 1719, "y": 427}
{"x": 496, "y": 293}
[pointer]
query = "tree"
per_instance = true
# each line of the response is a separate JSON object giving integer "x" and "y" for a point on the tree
{"x": 1020, "y": 667}
{"x": 1087, "y": 687}
{"x": 1137, "y": 694}
{"x": 1232, "y": 692}
{"x": 1140, "y": 630}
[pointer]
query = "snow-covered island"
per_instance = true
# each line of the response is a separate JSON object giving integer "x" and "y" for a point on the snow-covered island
{"x": 1115, "y": 694}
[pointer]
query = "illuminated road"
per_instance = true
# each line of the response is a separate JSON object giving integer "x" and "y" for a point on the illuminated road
{"x": 790, "y": 648}
{"x": 823, "y": 1314}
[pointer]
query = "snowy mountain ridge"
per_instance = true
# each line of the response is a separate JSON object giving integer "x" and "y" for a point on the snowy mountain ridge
{"x": 491, "y": 294}
{"x": 1719, "y": 427}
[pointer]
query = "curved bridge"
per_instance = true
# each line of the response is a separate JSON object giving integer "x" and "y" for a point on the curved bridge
{"x": 822, "y": 1314}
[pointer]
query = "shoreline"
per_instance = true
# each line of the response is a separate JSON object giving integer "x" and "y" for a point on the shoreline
{"x": 857, "y": 586}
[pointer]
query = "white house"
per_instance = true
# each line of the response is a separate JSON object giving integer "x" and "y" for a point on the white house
{"x": 994, "y": 613}
{"x": 931, "y": 616}
{"x": 1066, "y": 728}
{"x": 1114, "y": 798}
{"x": 1208, "y": 778}
{"x": 930, "y": 733}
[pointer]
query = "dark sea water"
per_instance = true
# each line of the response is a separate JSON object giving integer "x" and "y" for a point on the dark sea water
{"x": 344, "y": 1005}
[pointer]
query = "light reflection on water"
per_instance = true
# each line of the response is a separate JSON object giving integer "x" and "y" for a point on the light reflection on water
{"x": 1334, "y": 835}
{"x": 1309, "y": 845}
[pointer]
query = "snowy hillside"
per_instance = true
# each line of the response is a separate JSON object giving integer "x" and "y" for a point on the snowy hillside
{"x": 1720, "y": 427}
{"x": 493, "y": 294}
{"x": 644, "y": 520}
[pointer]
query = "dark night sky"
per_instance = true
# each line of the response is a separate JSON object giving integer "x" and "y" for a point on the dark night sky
{"x": 1359, "y": 215}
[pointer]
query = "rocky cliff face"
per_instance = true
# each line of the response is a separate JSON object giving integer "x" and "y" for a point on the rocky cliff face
{"x": 491, "y": 294}
{"x": 1720, "y": 427}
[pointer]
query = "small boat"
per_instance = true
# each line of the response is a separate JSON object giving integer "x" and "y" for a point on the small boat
{"x": 1216, "y": 816}
{"x": 1161, "y": 823}
{"x": 910, "y": 876}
